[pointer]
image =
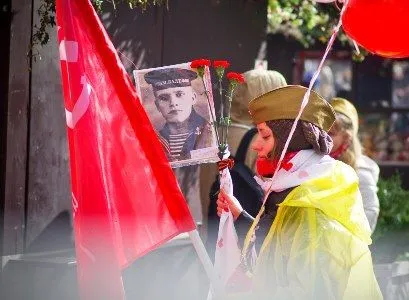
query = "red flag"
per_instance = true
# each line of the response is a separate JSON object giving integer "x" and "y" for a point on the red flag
{"x": 126, "y": 200}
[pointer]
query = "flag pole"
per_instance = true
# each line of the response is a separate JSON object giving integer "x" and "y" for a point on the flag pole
{"x": 205, "y": 260}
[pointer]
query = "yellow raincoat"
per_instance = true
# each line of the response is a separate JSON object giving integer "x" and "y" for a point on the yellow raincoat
{"x": 317, "y": 246}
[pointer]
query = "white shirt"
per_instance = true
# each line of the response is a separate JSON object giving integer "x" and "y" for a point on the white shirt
{"x": 368, "y": 174}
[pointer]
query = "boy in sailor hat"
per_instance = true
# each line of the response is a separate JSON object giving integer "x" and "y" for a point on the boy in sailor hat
{"x": 185, "y": 130}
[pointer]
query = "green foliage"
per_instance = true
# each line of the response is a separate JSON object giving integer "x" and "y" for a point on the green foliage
{"x": 46, "y": 13}
{"x": 302, "y": 20}
{"x": 145, "y": 3}
{"x": 307, "y": 21}
{"x": 394, "y": 207}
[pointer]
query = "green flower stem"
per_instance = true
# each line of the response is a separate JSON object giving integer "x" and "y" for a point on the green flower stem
{"x": 227, "y": 120}
{"x": 221, "y": 107}
{"x": 214, "y": 122}
{"x": 200, "y": 72}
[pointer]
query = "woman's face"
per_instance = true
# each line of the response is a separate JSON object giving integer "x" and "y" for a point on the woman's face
{"x": 264, "y": 141}
{"x": 339, "y": 135}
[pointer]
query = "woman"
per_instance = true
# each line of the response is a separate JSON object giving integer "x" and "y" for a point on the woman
{"x": 347, "y": 148}
{"x": 316, "y": 246}
{"x": 257, "y": 82}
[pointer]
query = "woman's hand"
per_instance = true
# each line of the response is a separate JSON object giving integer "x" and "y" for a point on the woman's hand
{"x": 225, "y": 202}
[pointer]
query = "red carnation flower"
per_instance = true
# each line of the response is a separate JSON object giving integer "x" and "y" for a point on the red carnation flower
{"x": 235, "y": 76}
{"x": 221, "y": 64}
{"x": 200, "y": 63}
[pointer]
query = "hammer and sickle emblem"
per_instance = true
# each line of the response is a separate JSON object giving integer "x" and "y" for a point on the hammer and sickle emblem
{"x": 69, "y": 52}
{"x": 81, "y": 106}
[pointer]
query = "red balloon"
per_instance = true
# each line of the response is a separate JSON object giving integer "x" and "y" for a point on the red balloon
{"x": 380, "y": 26}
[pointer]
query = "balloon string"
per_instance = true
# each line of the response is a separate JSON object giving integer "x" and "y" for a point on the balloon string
{"x": 336, "y": 3}
{"x": 307, "y": 95}
{"x": 356, "y": 47}
{"x": 304, "y": 103}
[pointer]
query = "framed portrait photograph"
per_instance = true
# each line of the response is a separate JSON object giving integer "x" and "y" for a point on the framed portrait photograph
{"x": 175, "y": 100}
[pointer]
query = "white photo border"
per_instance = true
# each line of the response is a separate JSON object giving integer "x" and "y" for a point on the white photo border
{"x": 145, "y": 94}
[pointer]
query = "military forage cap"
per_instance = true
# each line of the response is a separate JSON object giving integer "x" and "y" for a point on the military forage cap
{"x": 170, "y": 77}
{"x": 346, "y": 108}
{"x": 284, "y": 103}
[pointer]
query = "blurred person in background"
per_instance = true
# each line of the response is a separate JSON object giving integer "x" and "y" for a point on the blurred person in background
{"x": 347, "y": 148}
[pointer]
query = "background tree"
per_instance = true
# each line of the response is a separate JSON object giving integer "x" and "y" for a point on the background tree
{"x": 46, "y": 11}
{"x": 305, "y": 20}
